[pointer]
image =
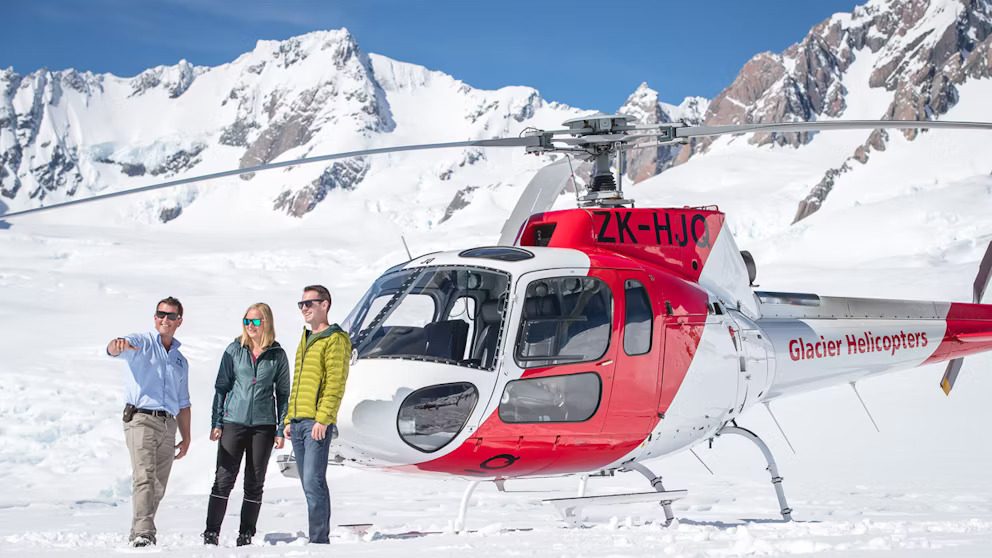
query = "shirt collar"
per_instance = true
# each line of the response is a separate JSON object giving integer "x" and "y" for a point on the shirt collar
{"x": 175, "y": 342}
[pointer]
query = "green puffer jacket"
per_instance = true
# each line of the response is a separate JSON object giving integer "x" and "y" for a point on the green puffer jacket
{"x": 322, "y": 361}
{"x": 251, "y": 393}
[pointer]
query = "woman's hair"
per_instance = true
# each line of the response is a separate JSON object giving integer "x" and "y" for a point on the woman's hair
{"x": 268, "y": 327}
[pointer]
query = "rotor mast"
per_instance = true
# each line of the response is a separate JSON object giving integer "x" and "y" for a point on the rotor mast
{"x": 598, "y": 138}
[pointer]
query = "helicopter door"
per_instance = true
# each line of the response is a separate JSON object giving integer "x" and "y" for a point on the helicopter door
{"x": 563, "y": 323}
{"x": 557, "y": 368}
{"x": 637, "y": 379}
{"x": 709, "y": 344}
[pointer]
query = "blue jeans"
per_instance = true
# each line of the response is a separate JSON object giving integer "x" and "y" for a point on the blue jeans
{"x": 311, "y": 461}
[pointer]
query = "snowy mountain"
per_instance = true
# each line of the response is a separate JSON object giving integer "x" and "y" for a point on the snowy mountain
{"x": 67, "y": 134}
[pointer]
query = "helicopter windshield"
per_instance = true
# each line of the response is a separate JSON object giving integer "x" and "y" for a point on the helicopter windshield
{"x": 442, "y": 314}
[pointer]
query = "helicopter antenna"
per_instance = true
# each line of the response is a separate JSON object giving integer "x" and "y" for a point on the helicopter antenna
{"x": 407, "y": 248}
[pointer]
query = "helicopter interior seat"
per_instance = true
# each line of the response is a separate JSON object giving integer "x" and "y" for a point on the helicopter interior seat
{"x": 398, "y": 340}
{"x": 588, "y": 328}
{"x": 484, "y": 348}
{"x": 543, "y": 312}
{"x": 446, "y": 339}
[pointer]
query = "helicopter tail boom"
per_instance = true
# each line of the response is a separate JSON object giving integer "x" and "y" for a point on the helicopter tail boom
{"x": 825, "y": 341}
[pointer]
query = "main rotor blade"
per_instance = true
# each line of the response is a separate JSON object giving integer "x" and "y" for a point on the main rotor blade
{"x": 524, "y": 141}
{"x": 697, "y": 131}
{"x": 539, "y": 195}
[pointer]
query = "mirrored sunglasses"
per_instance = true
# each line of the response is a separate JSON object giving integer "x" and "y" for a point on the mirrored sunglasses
{"x": 257, "y": 322}
{"x": 308, "y": 303}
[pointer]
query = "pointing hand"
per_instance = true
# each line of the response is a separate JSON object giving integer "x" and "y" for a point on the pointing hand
{"x": 119, "y": 345}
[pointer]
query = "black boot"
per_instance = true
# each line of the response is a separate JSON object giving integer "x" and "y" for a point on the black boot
{"x": 216, "y": 508}
{"x": 249, "y": 518}
{"x": 211, "y": 537}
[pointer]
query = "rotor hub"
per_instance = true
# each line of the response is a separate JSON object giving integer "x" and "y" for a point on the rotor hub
{"x": 599, "y": 123}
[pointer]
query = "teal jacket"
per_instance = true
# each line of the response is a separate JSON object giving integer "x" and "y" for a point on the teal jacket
{"x": 251, "y": 393}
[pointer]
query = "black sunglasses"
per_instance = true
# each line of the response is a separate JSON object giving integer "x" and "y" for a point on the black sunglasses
{"x": 307, "y": 303}
{"x": 171, "y": 316}
{"x": 257, "y": 322}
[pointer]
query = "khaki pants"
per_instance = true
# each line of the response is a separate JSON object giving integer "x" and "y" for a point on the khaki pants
{"x": 151, "y": 442}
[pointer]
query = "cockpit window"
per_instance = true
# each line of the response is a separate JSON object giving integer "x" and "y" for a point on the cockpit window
{"x": 637, "y": 325}
{"x": 443, "y": 314}
{"x": 564, "y": 320}
{"x": 415, "y": 310}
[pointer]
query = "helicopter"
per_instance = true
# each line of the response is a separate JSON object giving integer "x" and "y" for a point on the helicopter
{"x": 587, "y": 341}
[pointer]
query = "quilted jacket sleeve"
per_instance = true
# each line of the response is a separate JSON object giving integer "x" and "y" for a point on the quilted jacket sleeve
{"x": 283, "y": 378}
{"x": 336, "y": 359}
{"x": 222, "y": 386}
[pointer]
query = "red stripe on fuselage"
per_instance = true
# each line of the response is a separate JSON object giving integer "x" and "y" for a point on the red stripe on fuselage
{"x": 968, "y": 329}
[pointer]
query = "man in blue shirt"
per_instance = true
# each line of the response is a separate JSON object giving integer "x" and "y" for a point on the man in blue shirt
{"x": 156, "y": 403}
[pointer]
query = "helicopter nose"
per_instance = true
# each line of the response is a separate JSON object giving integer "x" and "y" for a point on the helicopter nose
{"x": 399, "y": 412}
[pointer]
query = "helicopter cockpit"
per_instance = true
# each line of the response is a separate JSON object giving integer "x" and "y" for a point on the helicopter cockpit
{"x": 446, "y": 314}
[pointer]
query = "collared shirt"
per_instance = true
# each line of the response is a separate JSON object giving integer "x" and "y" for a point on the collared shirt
{"x": 159, "y": 379}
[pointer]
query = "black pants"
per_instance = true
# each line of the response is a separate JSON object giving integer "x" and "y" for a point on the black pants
{"x": 237, "y": 441}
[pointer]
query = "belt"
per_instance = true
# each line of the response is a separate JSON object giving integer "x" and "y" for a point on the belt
{"x": 153, "y": 412}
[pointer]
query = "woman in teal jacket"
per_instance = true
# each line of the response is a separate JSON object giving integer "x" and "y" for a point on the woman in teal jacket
{"x": 250, "y": 402}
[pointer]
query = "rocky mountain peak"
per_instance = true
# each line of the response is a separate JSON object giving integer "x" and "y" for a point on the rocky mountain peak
{"x": 645, "y": 105}
{"x": 339, "y": 90}
{"x": 920, "y": 50}
{"x": 174, "y": 79}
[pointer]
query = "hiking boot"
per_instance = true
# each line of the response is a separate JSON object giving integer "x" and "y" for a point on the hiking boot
{"x": 141, "y": 541}
{"x": 244, "y": 539}
{"x": 211, "y": 537}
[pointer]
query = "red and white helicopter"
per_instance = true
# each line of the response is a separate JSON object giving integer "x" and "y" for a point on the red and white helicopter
{"x": 590, "y": 340}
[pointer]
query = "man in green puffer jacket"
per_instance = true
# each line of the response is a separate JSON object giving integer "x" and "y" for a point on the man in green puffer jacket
{"x": 322, "y": 360}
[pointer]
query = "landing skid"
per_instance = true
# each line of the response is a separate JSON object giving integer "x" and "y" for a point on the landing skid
{"x": 772, "y": 467}
{"x": 569, "y": 508}
{"x": 655, "y": 481}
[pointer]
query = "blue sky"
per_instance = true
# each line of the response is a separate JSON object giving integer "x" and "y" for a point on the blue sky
{"x": 588, "y": 54}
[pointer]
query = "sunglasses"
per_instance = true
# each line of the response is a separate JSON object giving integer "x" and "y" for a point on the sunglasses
{"x": 257, "y": 322}
{"x": 171, "y": 316}
{"x": 307, "y": 303}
